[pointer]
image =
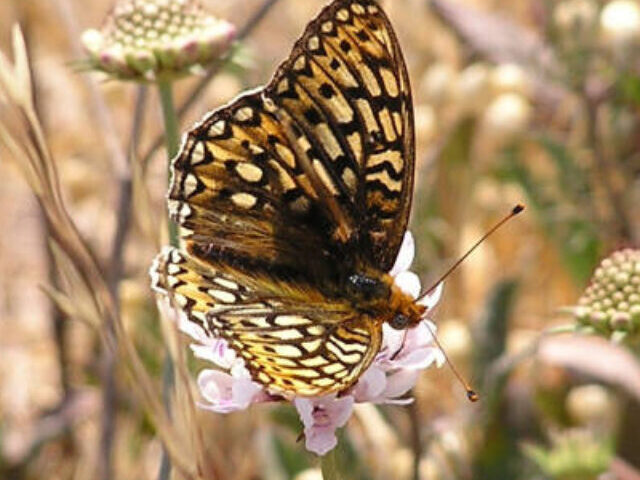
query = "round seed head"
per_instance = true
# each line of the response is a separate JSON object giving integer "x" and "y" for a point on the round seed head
{"x": 156, "y": 39}
{"x": 611, "y": 303}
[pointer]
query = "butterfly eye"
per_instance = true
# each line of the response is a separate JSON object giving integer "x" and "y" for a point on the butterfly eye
{"x": 399, "y": 322}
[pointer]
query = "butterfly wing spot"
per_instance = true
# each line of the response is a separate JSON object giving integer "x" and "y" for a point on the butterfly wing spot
{"x": 387, "y": 125}
{"x": 327, "y": 27}
{"x": 228, "y": 284}
{"x": 249, "y": 172}
{"x": 244, "y": 114}
{"x": 333, "y": 368}
{"x": 313, "y": 345}
{"x": 300, "y": 63}
{"x": 244, "y": 200}
{"x": 291, "y": 321}
{"x": 358, "y": 9}
{"x": 343, "y": 15}
{"x": 190, "y": 184}
{"x": 314, "y": 43}
{"x": 320, "y": 169}
{"x": 218, "y": 128}
{"x": 390, "y": 82}
{"x": 392, "y": 159}
{"x": 316, "y": 361}
{"x": 222, "y": 296}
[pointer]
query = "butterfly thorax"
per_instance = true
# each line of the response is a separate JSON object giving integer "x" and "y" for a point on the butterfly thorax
{"x": 377, "y": 295}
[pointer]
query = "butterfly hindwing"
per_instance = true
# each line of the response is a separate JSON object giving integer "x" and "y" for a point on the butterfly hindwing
{"x": 291, "y": 347}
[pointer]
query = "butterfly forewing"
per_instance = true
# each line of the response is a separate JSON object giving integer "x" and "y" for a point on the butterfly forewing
{"x": 289, "y": 190}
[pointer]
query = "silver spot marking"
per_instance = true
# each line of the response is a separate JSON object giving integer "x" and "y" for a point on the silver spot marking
{"x": 299, "y": 63}
{"x": 333, "y": 368}
{"x": 291, "y": 321}
{"x": 327, "y": 27}
{"x": 222, "y": 296}
{"x": 244, "y": 200}
{"x": 286, "y": 155}
{"x": 218, "y": 128}
{"x": 249, "y": 172}
{"x": 197, "y": 154}
{"x": 322, "y": 382}
{"x": 357, "y": 9}
{"x": 290, "y": 351}
{"x": 315, "y": 330}
{"x": 243, "y": 114}
{"x": 314, "y": 361}
{"x": 289, "y": 334}
{"x": 282, "y": 86}
{"x": 223, "y": 282}
{"x": 314, "y": 43}
{"x": 190, "y": 184}
{"x": 342, "y": 15}
{"x": 312, "y": 345}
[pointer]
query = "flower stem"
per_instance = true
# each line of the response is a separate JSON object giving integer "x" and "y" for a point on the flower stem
{"x": 172, "y": 138}
{"x": 332, "y": 463}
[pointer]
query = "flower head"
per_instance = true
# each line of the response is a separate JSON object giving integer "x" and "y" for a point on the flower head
{"x": 149, "y": 39}
{"x": 611, "y": 304}
{"x": 394, "y": 371}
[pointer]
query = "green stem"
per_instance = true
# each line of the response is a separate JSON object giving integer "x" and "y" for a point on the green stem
{"x": 172, "y": 137}
{"x": 332, "y": 463}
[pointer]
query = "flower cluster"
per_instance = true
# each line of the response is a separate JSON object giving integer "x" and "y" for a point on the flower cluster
{"x": 149, "y": 39}
{"x": 611, "y": 303}
{"x": 393, "y": 373}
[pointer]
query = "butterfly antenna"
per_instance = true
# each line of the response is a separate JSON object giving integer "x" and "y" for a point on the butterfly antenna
{"x": 471, "y": 393}
{"x": 515, "y": 211}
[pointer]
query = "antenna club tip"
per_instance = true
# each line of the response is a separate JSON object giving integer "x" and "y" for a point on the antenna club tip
{"x": 472, "y": 396}
{"x": 518, "y": 208}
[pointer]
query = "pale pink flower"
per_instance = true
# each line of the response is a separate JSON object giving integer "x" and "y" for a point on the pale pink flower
{"x": 321, "y": 417}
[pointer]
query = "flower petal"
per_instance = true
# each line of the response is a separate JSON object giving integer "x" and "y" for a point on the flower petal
{"x": 225, "y": 393}
{"x": 370, "y": 385}
{"x": 433, "y": 298}
{"x": 409, "y": 283}
{"x": 405, "y": 255}
{"x": 400, "y": 383}
{"x": 215, "y": 350}
{"x": 321, "y": 417}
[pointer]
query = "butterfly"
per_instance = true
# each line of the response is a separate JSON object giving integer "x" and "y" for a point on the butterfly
{"x": 293, "y": 201}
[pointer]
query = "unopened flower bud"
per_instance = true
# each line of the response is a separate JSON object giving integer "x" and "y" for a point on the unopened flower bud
{"x": 611, "y": 303}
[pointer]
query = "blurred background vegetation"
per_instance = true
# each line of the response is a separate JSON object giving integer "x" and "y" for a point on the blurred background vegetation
{"x": 534, "y": 101}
